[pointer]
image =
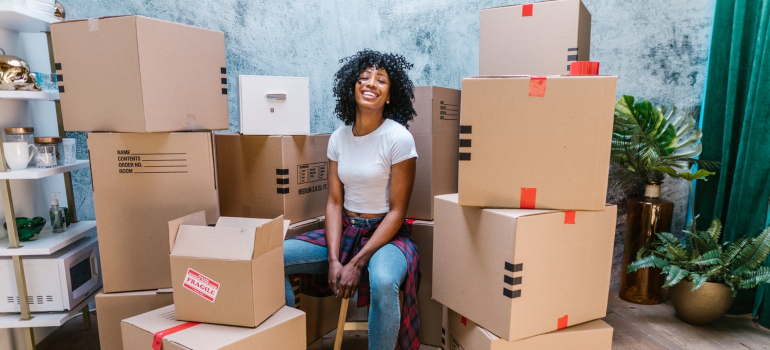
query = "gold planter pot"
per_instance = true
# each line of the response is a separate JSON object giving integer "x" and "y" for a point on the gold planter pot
{"x": 702, "y": 306}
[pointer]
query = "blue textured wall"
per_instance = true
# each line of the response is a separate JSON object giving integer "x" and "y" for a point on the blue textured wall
{"x": 658, "y": 48}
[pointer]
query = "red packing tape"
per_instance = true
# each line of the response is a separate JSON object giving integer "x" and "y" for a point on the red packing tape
{"x": 464, "y": 321}
{"x": 584, "y": 68}
{"x": 537, "y": 86}
{"x": 409, "y": 223}
{"x": 562, "y": 322}
{"x": 569, "y": 217}
{"x": 157, "y": 340}
{"x": 528, "y": 197}
{"x": 526, "y": 10}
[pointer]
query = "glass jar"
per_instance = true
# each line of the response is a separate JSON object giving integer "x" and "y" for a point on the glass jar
{"x": 21, "y": 134}
{"x": 50, "y": 152}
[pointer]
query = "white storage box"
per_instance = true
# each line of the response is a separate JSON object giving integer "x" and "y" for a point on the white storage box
{"x": 274, "y": 105}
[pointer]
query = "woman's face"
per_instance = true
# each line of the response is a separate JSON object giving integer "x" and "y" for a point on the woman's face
{"x": 372, "y": 89}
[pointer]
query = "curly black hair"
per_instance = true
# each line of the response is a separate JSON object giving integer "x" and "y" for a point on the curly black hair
{"x": 401, "y": 88}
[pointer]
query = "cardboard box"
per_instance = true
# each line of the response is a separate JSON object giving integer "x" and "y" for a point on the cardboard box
{"x": 520, "y": 273}
{"x": 138, "y": 74}
{"x": 430, "y": 311}
{"x": 466, "y": 335}
{"x": 282, "y": 331}
{"x": 141, "y": 181}
{"x": 322, "y": 313}
{"x": 534, "y": 39}
{"x": 536, "y": 142}
{"x": 230, "y": 274}
{"x": 435, "y": 130}
{"x": 113, "y": 308}
{"x": 268, "y": 176}
{"x": 274, "y": 105}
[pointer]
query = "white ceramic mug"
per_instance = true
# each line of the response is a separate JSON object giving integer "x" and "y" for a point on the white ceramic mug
{"x": 18, "y": 154}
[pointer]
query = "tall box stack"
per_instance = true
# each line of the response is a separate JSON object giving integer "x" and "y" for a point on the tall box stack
{"x": 533, "y": 166}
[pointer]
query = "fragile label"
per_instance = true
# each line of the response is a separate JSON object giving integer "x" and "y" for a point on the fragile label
{"x": 201, "y": 285}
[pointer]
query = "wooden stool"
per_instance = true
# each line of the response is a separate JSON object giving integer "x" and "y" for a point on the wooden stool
{"x": 343, "y": 325}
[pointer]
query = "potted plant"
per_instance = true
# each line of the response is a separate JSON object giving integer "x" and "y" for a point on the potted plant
{"x": 644, "y": 139}
{"x": 704, "y": 275}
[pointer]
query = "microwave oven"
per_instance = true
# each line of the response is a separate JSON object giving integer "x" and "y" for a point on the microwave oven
{"x": 55, "y": 282}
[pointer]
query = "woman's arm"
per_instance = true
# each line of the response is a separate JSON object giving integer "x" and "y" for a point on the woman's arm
{"x": 333, "y": 225}
{"x": 401, "y": 184}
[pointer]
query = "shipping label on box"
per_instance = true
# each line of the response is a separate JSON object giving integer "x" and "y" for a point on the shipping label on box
{"x": 159, "y": 329}
{"x": 467, "y": 335}
{"x": 274, "y": 105}
{"x": 138, "y": 74}
{"x": 436, "y": 132}
{"x": 536, "y": 142}
{"x": 141, "y": 181}
{"x": 114, "y": 307}
{"x": 268, "y": 176}
{"x": 507, "y": 269}
{"x": 229, "y": 274}
{"x": 543, "y": 38}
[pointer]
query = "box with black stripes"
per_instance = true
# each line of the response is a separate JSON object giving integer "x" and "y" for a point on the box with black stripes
{"x": 268, "y": 176}
{"x": 521, "y": 273}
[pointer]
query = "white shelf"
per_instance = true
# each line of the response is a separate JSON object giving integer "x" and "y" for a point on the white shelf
{"x": 48, "y": 242}
{"x": 23, "y": 20}
{"x": 43, "y": 319}
{"x": 29, "y": 95}
{"x": 32, "y": 173}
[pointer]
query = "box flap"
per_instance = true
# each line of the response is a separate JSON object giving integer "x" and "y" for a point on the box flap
{"x": 195, "y": 219}
{"x": 270, "y": 236}
{"x": 227, "y": 243}
{"x": 514, "y": 213}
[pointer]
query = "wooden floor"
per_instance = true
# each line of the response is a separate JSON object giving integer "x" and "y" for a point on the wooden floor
{"x": 637, "y": 327}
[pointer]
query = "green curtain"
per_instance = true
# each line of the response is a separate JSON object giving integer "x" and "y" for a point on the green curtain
{"x": 736, "y": 129}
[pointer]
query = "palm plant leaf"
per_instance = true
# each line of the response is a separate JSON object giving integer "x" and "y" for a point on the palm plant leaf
{"x": 714, "y": 230}
{"x": 649, "y": 261}
{"x": 735, "y": 248}
{"x": 753, "y": 254}
{"x": 709, "y": 258}
{"x": 675, "y": 275}
{"x": 698, "y": 280}
{"x": 760, "y": 276}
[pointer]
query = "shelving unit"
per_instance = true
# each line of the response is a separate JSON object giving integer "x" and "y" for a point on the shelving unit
{"x": 39, "y": 173}
{"x": 19, "y": 19}
{"x": 29, "y": 95}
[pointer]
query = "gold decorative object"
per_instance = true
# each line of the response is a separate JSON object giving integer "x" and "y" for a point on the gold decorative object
{"x": 59, "y": 11}
{"x": 702, "y": 306}
{"x": 15, "y": 74}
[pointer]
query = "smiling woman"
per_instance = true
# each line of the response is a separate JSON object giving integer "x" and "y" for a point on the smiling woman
{"x": 366, "y": 246}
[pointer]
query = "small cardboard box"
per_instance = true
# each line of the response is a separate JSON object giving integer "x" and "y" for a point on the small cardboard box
{"x": 534, "y": 39}
{"x": 430, "y": 311}
{"x": 536, "y": 142}
{"x": 436, "y": 132}
{"x": 282, "y": 331}
{"x": 274, "y": 105}
{"x": 114, "y": 307}
{"x": 466, "y": 335}
{"x": 230, "y": 274}
{"x": 142, "y": 181}
{"x": 268, "y": 176}
{"x": 520, "y": 273}
{"x": 322, "y": 313}
{"x": 138, "y": 74}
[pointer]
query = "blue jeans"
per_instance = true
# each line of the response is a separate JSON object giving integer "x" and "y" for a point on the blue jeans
{"x": 387, "y": 270}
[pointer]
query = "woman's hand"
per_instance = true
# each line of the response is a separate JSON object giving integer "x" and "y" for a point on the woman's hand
{"x": 335, "y": 271}
{"x": 348, "y": 282}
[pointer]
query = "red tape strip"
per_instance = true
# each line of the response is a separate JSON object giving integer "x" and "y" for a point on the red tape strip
{"x": 537, "y": 86}
{"x": 562, "y": 322}
{"x": 157, "y": 340}
{"x": 569, "y": 217}
{"x": 464, "y": 321}
{"x": 528, "y": 197}
{"x": 409, "y": 223}
{"x": 526, "y": 10}
{"x": 584, "y": 68}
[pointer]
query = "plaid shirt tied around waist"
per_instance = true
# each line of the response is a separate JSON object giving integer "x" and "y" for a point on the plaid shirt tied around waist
{"x": 352, "y": 240}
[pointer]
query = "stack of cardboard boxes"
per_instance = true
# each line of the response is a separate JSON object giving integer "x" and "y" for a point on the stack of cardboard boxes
{"x": 149, "y": 93}
{"x": 524, "y": 251}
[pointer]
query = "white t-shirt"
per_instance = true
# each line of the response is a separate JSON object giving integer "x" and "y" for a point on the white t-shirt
{"x": 364, "y": 163}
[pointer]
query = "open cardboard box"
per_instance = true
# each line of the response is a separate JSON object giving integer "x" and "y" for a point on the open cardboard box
{"x": 229, "y": 274}
{"x": 115, "y": 307}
